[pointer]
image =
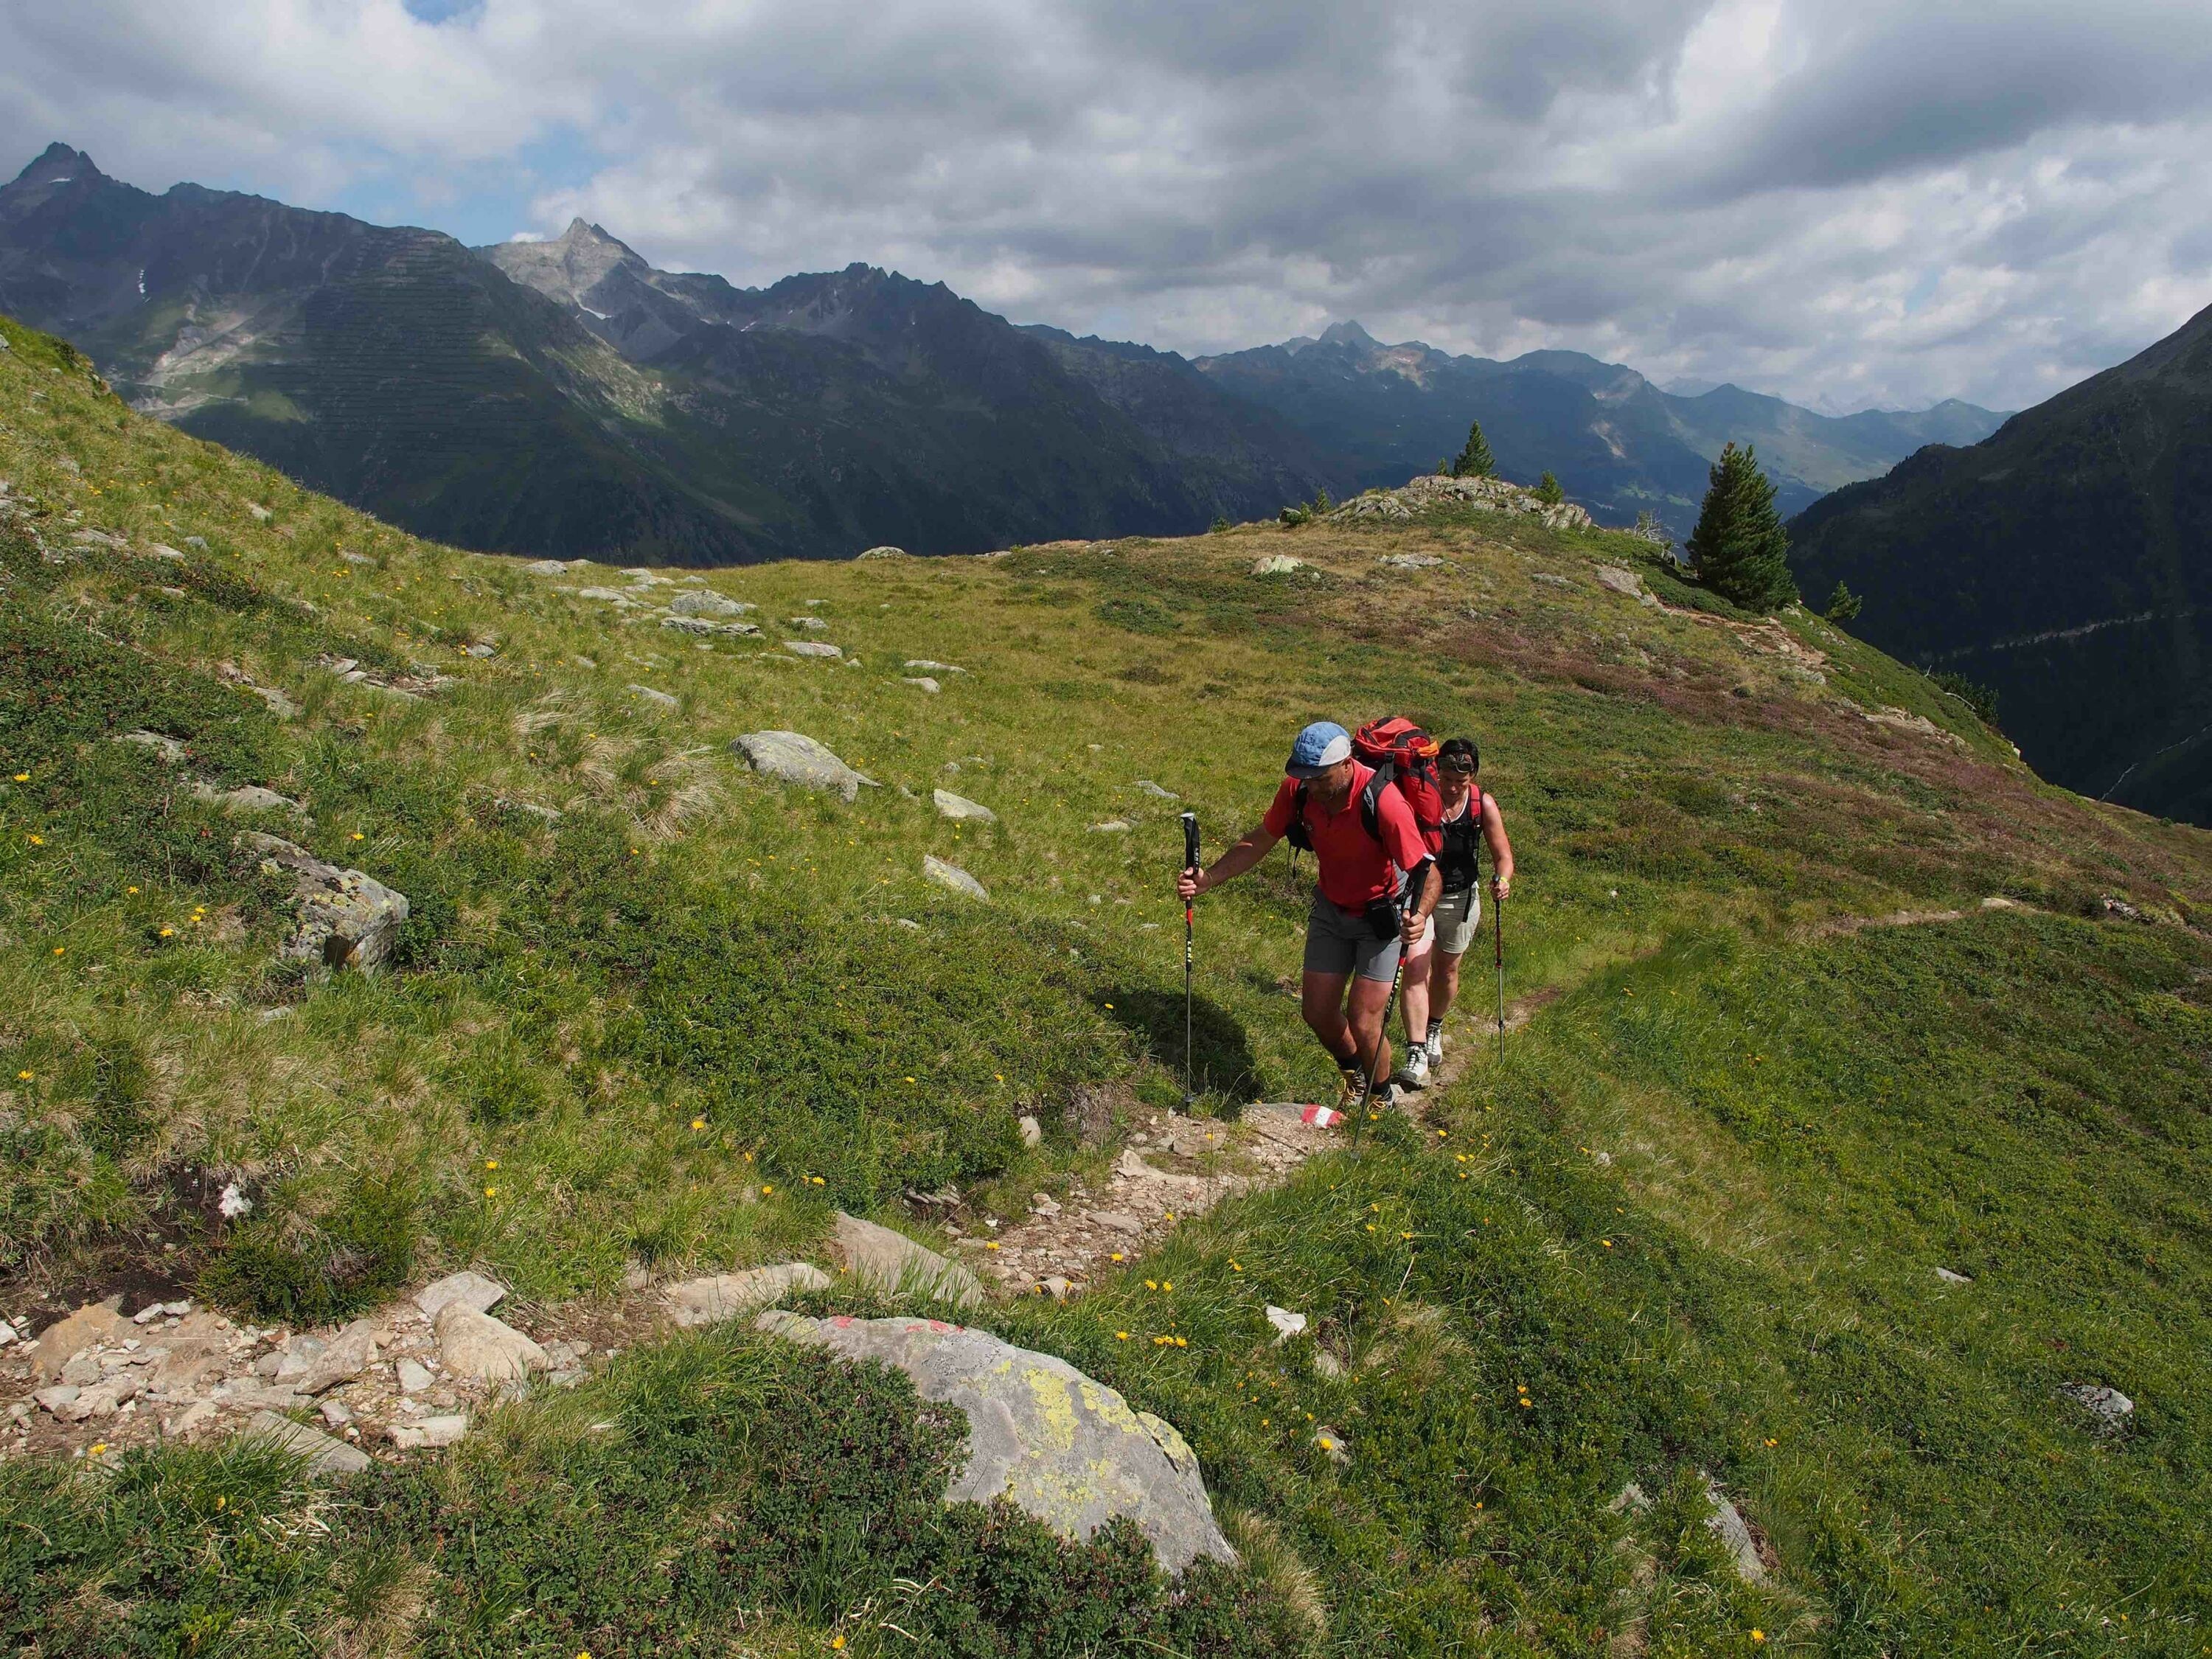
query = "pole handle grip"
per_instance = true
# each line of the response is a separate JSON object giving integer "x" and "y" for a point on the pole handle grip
{"x": 1190, "y": 840}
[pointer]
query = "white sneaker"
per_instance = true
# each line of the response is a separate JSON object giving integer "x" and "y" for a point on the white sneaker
{"x": 1435, "y": 1048}
{"x": 1414, "y": 1072}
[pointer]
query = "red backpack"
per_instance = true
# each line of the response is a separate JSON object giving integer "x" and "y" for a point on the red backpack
{"x": 1404, "y": 758}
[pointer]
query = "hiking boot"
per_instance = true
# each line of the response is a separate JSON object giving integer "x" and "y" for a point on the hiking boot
{"x": 1354, "y": 1085}
{"x": 1434, "y": 1047}
{"x": 1413, "y": 1071}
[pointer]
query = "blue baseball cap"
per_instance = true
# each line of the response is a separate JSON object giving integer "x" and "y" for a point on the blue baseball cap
{"x": 1319, "y": 747}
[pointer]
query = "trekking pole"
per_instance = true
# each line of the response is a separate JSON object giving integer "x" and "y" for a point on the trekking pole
{"x": 1498, "y": 929}
{"x": 1189, "y": 931}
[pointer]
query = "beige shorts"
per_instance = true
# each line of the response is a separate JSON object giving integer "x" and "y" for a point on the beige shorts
{"x": 1458, "y": 919}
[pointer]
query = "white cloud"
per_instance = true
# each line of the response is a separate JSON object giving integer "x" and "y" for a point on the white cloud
{"x": 1845, "y": 201}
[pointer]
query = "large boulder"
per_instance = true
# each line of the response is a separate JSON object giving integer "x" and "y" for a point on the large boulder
{"x": 703, "y": 602}
{"x": 1063, "y": 1447}
{"x": 880, "y": 1260}
{"x": 797, "y": 758}
{"x": 347, "y": 918}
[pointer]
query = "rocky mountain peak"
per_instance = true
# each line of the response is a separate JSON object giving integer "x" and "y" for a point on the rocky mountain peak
{"x": 58, "y": 164}
{"x": 1348, "y": 334}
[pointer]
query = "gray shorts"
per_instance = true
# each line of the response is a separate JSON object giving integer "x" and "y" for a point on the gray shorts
{"x": 1458, "y": 919}
{"x": 1342, "y": 942}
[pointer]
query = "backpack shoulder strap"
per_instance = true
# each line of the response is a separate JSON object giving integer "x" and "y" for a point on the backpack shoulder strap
{"x": 1371, "y": 803}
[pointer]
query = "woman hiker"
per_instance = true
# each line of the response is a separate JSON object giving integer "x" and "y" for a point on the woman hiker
{"x": 1366, "y": 909}
{"x": 1470, "y": 818}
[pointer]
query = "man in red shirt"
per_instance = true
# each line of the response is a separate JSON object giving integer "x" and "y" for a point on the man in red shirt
{"x": 1365, "y": 910}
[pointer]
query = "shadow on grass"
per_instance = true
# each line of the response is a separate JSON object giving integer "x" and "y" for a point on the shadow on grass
{"x": 1222, "y": 1060}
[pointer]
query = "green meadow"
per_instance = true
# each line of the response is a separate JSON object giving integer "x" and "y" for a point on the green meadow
{"x": 1684, "y": 1228}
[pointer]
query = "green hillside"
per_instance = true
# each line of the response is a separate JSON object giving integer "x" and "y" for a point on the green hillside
{"x": 1782, "y": 1062}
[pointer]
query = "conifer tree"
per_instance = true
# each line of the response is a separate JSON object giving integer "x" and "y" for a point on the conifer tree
{"x": 1739, "y": 546}
{"x": 1548, "y": 490}
{"x": 1475, "y": 461}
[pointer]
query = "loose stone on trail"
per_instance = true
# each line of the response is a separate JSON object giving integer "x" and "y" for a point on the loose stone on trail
{"x": 727, "y": 1296}
{"x": 469, "y": 1289}
{"x": 325, "y": 1455}
{"x": 879, "y": 1259}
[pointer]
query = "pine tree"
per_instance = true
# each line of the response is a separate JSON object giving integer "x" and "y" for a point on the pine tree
{"x": 1475, "y": 461}
{"x": 1843, "y": 605}
{"x": 1739, "y": 546}
{"x": 1548, "y": 490}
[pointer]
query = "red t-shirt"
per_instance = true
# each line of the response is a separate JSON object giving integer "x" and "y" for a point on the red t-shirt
{"x": 1354, "y": 870}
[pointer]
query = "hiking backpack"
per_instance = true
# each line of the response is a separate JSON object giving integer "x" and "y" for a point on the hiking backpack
{"x": 1404, "y": 758}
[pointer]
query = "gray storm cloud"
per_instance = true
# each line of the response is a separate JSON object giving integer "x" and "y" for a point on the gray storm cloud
{"x": 1847, "y": 201}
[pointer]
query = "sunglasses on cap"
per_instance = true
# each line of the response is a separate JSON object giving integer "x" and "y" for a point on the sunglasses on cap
{"x": 1459, "y": 763}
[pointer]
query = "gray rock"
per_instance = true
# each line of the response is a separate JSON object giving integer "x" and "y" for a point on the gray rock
{"x": 1410, "y": 560}
{"x": 658, "y": 699}
{"x": 813, "y": 648}
{"x": 168, "y": 749}
{"x": 546, "y": 567}
{"x": 279, "y": 705}
{"x": 58, "y": 1397}
{"x": 1286, "y": 1323}
{"x": 414, "y": 1377}
{"x": 347, "y": 918}
{"x": 701, "y": 625}
{"x": 472, "y": 1290}
{"x": 428, "y": 1434}
{"x": 1330, "y": 1443}
{"x": 325, "y": 1455}
{"x": 2108, "y": 1406}
{"x": 1622, "y": 580}
{"x": 103, "y": 1400}
{"x": 191, "y": 1420}
{"x": 82, "y": 1369}
{"x": 1032, "y": 1132}
{"x": 89, "y": 1326}
{"x": 880, "y": 1260}
{"x": 1550, "y": 580}
{"x": 885, "y": 552}
{"x": 163, "y": 550}
{"x": 727, "y": 1296}
{"x": 1111, "y": 827}
{"x": 343, "y": 1358}
{"x": 924, "y": 665}
{"x": 249, "y": 798}
{"x": 335, "y": 1412}
{"x": 475, "y": 1344}
{"x": 1153, "y": 789}
{"x": 1060, "y": 1445}
{"x": 704, "y": 602}
{"x": 1278, "y": 564}
{"x": 797, "y": 758}
{"x": 1728, "y": 1524}
{"x": 925, "y": 682}
{"x": 953, "y": 877}
{"x": 1951, "y": 1278}
{"x": 960, "y": 809}
{"x": 814, "y": 624}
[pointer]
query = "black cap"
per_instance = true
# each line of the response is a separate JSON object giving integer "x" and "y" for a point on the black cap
{"x": 1459, "y": 755}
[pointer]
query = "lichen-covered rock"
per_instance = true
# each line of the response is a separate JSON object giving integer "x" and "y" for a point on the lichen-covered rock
{"x": 880, "y": 1260}
{"x": 1060, "y": 1445}
{"x": 726, "y": 1296}
{"x": 797, "y": 758}
{"x": 882, "y": 553}
{"x": 347, "y": 918}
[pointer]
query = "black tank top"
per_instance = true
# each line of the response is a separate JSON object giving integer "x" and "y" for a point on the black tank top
{"x": 1458, "y": 860}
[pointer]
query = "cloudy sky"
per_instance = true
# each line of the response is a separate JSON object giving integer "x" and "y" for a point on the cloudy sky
{"x": 1850, "y": 203}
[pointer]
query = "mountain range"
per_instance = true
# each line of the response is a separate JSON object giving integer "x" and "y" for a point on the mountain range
{"x": 565, "y": 397}
{"x": 1619, "y": 444}
{"x": 2066, "y": 561}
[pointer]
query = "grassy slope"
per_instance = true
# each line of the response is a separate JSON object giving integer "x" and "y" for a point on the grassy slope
{"x": 1798, "y": 1127}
